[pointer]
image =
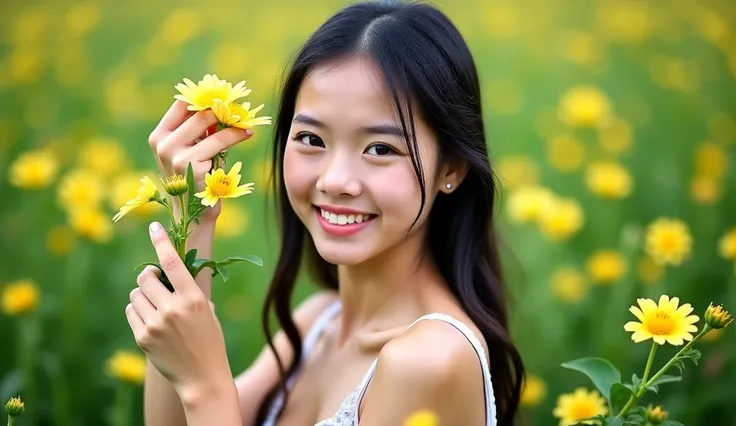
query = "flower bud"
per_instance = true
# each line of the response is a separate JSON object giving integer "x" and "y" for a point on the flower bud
{"x": 717, "y": 317}
{"x": 176, "y": 185}
{"x": 655, "y": 415}
{"x": 15, "y": 407}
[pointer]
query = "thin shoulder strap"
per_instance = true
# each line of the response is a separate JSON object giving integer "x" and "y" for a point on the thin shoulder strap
{"x": 315, "y": 331}
{"x": 468, "y": 333}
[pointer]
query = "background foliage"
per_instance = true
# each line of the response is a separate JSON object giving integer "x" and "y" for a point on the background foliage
{"x": 89, "y": 81}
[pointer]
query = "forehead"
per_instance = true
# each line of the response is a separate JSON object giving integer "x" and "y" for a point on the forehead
{"x": 346, "y": 91}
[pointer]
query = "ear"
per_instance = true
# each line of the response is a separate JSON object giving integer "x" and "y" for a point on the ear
{"x": 451, "y": 175}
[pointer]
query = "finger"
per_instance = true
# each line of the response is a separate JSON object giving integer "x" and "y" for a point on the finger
{"x": 142, "y": 305}
{"x": 170, "y": 261}
{"x": 173, "y": 118}
{"x": 218, "y": 142}
{"x": 150, "y": 284}
{"x": 137, "y": 326}
{"x": 194, "y": 127}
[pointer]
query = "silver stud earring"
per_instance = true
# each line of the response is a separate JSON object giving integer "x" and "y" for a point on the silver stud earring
{"x": 448, "y": 186}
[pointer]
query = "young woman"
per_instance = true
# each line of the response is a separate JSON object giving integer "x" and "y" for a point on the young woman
{"x": 385, "y": 191}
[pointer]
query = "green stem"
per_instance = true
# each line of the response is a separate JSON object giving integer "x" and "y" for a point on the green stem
{"x": 650, "y": 361}
{"x": 182, "y": 243}
{"x": 123, "y": 399}
{"x": 11, "y": 420}
{"x": 633, "y": 399}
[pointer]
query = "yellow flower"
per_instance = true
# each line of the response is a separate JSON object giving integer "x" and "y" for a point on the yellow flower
{"x": 711, "y": 160}
{"x": 668, "y": 241}
{"x": 34, "y": 169}
{"x": 127, "y": 366}
{"x": 60, "y": 240}
{"x": 80, "y": 188}
{"x": 568, "y": 285}
{"x": 175, "y": 185}
{"x": 422, "y": 418}
{"x": 104, "y": 156}
{"x": 617, "y": 137}
{"x": 202, "y": 95}
{"x": 233, "y": 221}
{"x": 727, "y": 245}
{"x": 517, "y": 170}
{"x": 239, "y": 115}
{"x": 608, "y": 180}
{"x": 15, "y": 407}
{"x": 705, "y": 190}
{"x": 562, "y": 220}
{"x": 662, "y": 323}
{"x": 20, "y": 297}
{"x": 91, "y": 223}
{"x": 527, "y": 203}
{"x": 565, "y": 153}
{"x": 606, "y": 266}
{"x": 220, "y": 185}
{"x": 717, "y": 317}
{"x": 125, "y": 187}
{"x": 655, "y": 415}
{"x": 579, "y": 405}
{"x": 649, "y": 272}
{"x": 533, "y": 391}
{"x": 147, "y": 192}
{"x": 584, "y": 106}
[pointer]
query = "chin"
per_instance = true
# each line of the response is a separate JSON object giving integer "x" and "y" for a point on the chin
{"x": 339, "y": 254}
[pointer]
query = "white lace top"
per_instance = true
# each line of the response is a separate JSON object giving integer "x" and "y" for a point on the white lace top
{"x": 347, "y": 414}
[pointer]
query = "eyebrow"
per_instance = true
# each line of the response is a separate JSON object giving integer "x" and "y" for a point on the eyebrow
{"x": 380, "y": 129}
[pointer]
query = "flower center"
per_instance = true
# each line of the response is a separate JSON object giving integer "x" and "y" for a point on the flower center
{"x": 660, "y": 323}
{"x": 221, "y": 186}
{"x": 670, "y": 242}
{"x": 582, "y": 410}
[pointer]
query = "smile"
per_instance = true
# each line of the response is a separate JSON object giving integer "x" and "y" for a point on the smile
{"x": 343, "y": 222}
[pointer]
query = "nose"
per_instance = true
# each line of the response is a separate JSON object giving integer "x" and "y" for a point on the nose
{"x": 339, "y": 177}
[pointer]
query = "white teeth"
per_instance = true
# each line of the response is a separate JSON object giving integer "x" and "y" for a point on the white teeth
{"x": 344, "y": 219}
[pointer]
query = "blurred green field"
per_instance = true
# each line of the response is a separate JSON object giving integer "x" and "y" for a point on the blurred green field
{"x": 567, "y": 85}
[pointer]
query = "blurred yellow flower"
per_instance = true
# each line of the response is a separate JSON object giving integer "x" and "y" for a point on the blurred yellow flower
{"x": 82, "y": 17}
{"x": 579, "y": 405}
{"x": 29, "y": 26}
{"x": 608, "y": 180}
{"x": 663, "y": 322}
{"x": 717, "y": 317}
{"x": 239, "y": 115}
{"x": 422, "y": 418}
{"x": 533, "y": 391}
{"x": 617, "y": 137}
{"x": 711, "y": 160}
{"x": 202, "y": 95}
{"x": 712, "y": 27}
{"x": 60, "y": 240}
{"x": 20, "y": 297}
{"x": 668, "y": 241}
{"x": 233, "y": 221}
{"x": 606, "y": 266}
{"x": 705, "y": 190}
{"x": 104, "y": 156}
{"x": 220, "y": 185}
{"x": 562, "y": 220}
{"x": 582, "y": 48}
{"x": 34, "y": 169}
{"x": 526, "y": 204}
{"x": 147, "y": 192}
{"x": 80, "y": 188}
{"x": 180, "y": 26}
{"x": 568, "y": 285}
{"x": 727, "y": 245}
{"x": 625, "y": 22}
{"x": 230, "y": 58}
{"x": 722, "y": 127}
{"x": 585, "y": 106}
{"x": 91, "y": 223}
{"x": 674, "y": 73}
{"x": 127, "y": 366}
{"x": 655, "y": 415}
{"x": 565, "y": 153}
{"x": 650, "y": 272}
{"x": 125, "y": 187}
{"x": 25, "y": 66}
{"x": 516, "y": 171}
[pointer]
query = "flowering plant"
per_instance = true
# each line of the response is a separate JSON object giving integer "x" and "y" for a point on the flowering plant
{"x": 183, "y": 203}
{"x": 665, "y": 322}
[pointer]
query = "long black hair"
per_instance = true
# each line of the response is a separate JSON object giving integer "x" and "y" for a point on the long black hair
{"x": 430, "y": 72}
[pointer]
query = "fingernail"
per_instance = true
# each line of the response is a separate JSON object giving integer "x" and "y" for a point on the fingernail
{"x": 155, "y": 227}
{"x": 249, "y": 132}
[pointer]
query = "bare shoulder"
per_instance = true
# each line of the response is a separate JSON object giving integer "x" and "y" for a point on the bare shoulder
{"x": 430, "y": 366}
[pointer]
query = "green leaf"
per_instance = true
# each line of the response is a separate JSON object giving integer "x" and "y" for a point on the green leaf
{"x": 634, "y": 420}
{"x": 615, "y": 421}
{"x": 620, "y": 395}
{"x": 680, "y": 365}
{"x": 190, "y": 183}
{"x": 693, "y": 354}
{"x": 635, "y": 380}
{"x": 190, "y": 257}
{"x": 601, "y": 372}
{"x": 140, "y": 267}
{"x": 671, "y": 423}
{"x": 242, "y": 258}
{"x": 219, "y": 269}
{"x": 654, "y": 387}
{"x": 601, "y": 420}
{"x": 200, "y": 264}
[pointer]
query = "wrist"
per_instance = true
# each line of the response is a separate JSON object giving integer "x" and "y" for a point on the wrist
{"x": 200, "y": 394}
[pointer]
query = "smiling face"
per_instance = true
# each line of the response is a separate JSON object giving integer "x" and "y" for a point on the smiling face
{"x": 347, "y": 169}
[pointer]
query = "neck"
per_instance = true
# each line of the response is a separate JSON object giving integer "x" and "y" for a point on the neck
{"x": 389, "y": 290}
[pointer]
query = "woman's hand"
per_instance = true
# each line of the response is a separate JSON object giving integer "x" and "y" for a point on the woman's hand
{"x": 179, "y": 331}
{"x": 179, "y": 139}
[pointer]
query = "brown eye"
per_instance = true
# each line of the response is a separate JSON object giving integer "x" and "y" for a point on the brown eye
{"x": 380, "y": 150}
{"x": 309, "y": 139}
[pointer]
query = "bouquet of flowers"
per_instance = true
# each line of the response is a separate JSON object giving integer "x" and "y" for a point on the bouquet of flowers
{"x": 220, "y": 96}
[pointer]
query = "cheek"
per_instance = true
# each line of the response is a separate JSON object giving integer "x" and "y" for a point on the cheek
{"x": 299, "y": 177}
{"x": 396, "y": 192}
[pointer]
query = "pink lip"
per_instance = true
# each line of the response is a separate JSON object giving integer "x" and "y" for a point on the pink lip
{"x": 340, "y": 210}
{"x": 341, "y": 230}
